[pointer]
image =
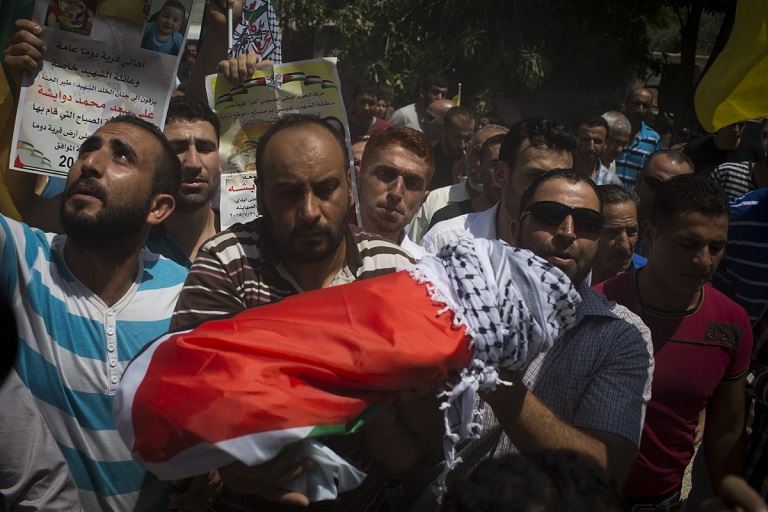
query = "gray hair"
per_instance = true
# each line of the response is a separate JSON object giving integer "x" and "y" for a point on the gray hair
{"x": 617, "y": 121}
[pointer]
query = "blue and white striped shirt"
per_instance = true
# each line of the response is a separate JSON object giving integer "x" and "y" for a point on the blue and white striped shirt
{"x": 634, "y": 156}
{"x": 743, "y": 272}
{"x": 73, "y": 349}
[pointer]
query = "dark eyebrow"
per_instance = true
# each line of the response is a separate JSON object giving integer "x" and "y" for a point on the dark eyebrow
{"x": 92, "y": 143}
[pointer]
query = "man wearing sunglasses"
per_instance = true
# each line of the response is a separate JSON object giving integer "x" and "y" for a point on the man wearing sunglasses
{"x": 702, "y": 343}
{"x": 588, "y": 393}
{"x": 661, "y": 166}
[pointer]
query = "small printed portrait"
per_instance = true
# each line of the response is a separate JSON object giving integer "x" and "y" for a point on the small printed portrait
{"x": 164, "y": 30}
{"x": 71, "y": 15}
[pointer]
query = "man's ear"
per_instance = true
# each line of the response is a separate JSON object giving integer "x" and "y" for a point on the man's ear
{"x": 161, "y": 208}
{"x": 649, "y": 233}
{"x": 500, "y": 173}
{"x": 424, "y": 198}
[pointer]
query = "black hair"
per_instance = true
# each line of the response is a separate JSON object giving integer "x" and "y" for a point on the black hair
{"x": 185, "y": 108}
{"x": 294, "y": 121}
{"x": 687, "y": 193}
{"x": 593, "y": 122}
{"x": 177, "y": 5}
{"x": 568, "y": 175}
{"x": 366, "y": 88}
{"x": 543, "y": 481}
{"x": 541, "y": 133}
{"x": 167, "y": 176}
{"x": 434, "y": 80}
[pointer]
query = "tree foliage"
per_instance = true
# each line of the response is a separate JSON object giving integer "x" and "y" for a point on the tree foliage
{"x": 494, "y": 47}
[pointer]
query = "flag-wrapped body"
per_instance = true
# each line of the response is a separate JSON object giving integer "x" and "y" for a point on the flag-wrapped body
{"x": 322, "y": 362}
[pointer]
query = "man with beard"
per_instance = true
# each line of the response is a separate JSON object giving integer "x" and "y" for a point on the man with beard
{"x": 301, "y": 243}
{"x": 451, "y": 150}
{"x": 396, "y": 168}
{"x": 193, "y": 131}
{"x": 588, "y": 393}
{"x": 86, "y": 302}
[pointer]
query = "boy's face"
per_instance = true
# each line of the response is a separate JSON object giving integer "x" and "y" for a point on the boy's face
{"x": 169, "y": 20}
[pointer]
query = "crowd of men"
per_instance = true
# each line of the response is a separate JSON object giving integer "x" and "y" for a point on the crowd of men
{"x": 659, "y": 359}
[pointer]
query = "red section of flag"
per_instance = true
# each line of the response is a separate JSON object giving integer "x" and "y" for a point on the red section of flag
{"x": 315, "y": 359}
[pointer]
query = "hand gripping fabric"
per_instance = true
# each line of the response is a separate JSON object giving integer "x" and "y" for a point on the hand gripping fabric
{"x": 323, "y": 362}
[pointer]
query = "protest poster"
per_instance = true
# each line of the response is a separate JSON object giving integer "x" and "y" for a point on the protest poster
{"x": 257, "y": 32}
{"x": 103, "y": 59}
{"x": 246, "y": 112}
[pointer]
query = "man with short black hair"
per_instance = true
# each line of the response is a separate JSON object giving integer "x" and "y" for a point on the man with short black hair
{"x": 702, "y": 343}
{"x": 661, "y": 166}
{"x": 588, "y": 393}
{"x": 451, "y": 150}
{"x": 433, "y": 88}
{"x": 591, "y": 138}
{"x": 362, "y": 112}
{"x": 193, "y": 132}
{"x": 531, "y": 148}
{"x": 86, "y": 302}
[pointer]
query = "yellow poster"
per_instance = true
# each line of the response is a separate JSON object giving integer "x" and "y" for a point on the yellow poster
{"x": 246, "y": 112}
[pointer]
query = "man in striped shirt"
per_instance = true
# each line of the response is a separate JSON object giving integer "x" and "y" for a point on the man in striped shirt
{"x": 88, "y": 301}
{"x": 643, "y": 140}
{"x": 301, "y": 243}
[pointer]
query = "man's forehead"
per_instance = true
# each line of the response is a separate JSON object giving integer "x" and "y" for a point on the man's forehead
{"x": 395, "y": 156}
{"x": 620, "y": 212}
{"x": 664, "y": 168}
{"x": 188, "y": 129}
{"x": 577, "y": 194}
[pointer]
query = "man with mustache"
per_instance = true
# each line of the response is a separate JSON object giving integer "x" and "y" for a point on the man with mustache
{"x": 87, "y": 301}
{"x": 588, "y": 393}
{"x": 301, "y": 243}
{"x": 702, "y": 343}
{"x": 193, "y": 131}
{"x": 397, "y": 166}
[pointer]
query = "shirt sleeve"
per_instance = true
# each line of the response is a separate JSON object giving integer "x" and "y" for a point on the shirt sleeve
{"x": 615, "y": 399}
{"x": 33, "y": 474}
{"x": 208, "y": 292}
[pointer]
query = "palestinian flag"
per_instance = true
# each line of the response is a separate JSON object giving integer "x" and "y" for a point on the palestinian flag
{"x": 323, "y": 362}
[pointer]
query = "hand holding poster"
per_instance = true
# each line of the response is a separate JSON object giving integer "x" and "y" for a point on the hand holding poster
{"x": 247, "y": 111}
{"x": 103, "y": 59}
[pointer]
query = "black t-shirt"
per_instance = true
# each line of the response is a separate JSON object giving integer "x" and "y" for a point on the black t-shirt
{"x": 443, "y": 168}
{"x": 707, "y": 156}
{"x": 451, "y": 210}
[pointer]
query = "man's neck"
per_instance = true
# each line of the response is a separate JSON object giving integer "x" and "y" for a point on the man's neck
{"x": 107, "y": 273}
{"x": 314, "y": 276}
{"x": 504, "y": 225}
{"x": 191, "y": 229}
{"x": 481, "y": 203}
{"x": 654, "y": 293}
{"x": 726, "y": 145}
{"x": 586, "y": 169}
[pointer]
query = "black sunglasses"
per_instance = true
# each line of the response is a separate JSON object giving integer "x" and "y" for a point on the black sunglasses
{"x": 553, "y": 213}
{"x": 652, "y": 182}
